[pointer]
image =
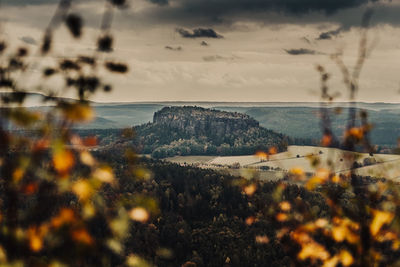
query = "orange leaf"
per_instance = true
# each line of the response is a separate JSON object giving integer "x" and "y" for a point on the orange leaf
{"x": 262, "y": 155}
{"x": 81, "y": 235}
{"x": 250, "y": 189}
{"x": 65, "y": 216}
{"x": 326, "y": 140}
{"x": 262, "y": 239}
{"x": 281, "y": 217}
{"x": 90, "y": 141}
{"x": 272, "y": 151}
{"x": 30, "y": 188}
{"x": 35, "y": 236}
{"x": 63, "y": 161}
{"x": 250, "y": 220}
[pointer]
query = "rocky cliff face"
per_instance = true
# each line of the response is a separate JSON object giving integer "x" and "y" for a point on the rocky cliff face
{"x": 198, "y": 121}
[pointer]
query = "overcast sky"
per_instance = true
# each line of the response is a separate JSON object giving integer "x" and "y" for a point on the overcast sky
{"x": 224, "y": 50}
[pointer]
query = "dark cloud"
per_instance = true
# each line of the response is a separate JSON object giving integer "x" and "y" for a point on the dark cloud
{"x": 302, "y": 51}
{"x": 28, "y": 40}
{"x": 159, "y": 2}
{"x": 178, "y": 48}
{"x": 199, "y": 33}
{"x": 216, "y": 13}
{"x": 221, "y": 7}
{"x": 329, "y": 34}
{"x": 217, "y": 9}
{"x": 29, "y": 2}
{"x": 221, "y": 13}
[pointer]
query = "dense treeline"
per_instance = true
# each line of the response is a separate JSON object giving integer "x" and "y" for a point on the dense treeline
{"x": 163, "y": 142}
{"x": 168, "y": 141}
{"x": 203, "y": 217}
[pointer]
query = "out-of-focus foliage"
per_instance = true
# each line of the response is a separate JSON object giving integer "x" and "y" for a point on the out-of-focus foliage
{"x": 61, "y": 204}
{"x": 54, "y": 205}
{"x": 360, "y": 222}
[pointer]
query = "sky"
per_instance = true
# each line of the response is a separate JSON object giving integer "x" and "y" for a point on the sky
{"x": 222, "y": 50}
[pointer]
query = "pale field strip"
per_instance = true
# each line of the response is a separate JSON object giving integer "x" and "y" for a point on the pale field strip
{"x": 386, "y": 166}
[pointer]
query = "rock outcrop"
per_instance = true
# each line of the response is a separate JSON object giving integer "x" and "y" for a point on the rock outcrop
{"x": 200, "y": 131}
{"x": 197, "y": 121}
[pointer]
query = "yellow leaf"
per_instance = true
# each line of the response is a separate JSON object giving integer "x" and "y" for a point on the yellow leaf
{"x": 77, "y": 112}
{"x": 88, "y": 210}
{"x": 321, "y": 223}
{"x": 396, "y": 244}
{"x": 323, "y": 174}
{"x": 262, "y": 239}
{"x": 139, "y": 214}
{"x": 3, "y": 255}
{"x": 82, "y": 189}
{"x": 142, "y": 173}
{"x": 339, "y": 233}
{"x": 87, "y": 158}
{"x": 336, "y": 179}
{"x": 285, "y": 206}
{"x": 297, "y": 171}
{"x": 346, "y": 258}
{"x": 35, "y": 236}
{"x": 136, "y": 261}
{"x": 314, "y": 182}
{"x": 379, "y": 219}
{"x": 313, "y": 250}
{"x": 18, "y": 174}
{"x": 332, "y": 262}
{"x": 104, "y": 174}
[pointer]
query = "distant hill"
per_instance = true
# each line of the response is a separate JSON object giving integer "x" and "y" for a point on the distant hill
{"x": 199, "y": 131}
{"x": 297, "y": 119}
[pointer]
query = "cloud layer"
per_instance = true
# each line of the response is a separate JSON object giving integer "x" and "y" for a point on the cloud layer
{"x": 199, "y": 33}
{"x": 220, "y": 7}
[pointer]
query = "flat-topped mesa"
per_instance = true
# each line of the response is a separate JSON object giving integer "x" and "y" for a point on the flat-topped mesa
{"x": 200, "y": 121}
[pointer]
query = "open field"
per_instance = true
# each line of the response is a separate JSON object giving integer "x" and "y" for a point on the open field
{"x": 190, "y": 159}
{"x": 306, "y": 158}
